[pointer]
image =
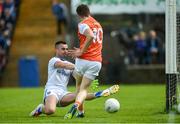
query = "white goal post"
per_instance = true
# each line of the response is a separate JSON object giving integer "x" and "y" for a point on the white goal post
{"x": 171, "y": 48}
{"x": 171, "y": 62}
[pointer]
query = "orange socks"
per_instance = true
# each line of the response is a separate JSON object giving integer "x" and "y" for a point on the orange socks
{"x": 80, "y": 106}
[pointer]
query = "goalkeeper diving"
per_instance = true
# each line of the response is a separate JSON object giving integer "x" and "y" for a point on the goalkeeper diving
{"x": 56, "y": 93}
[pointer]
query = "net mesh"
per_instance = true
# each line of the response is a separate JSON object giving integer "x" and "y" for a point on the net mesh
{"x": 171, "y": 98}
{"x": 178, "y": 47}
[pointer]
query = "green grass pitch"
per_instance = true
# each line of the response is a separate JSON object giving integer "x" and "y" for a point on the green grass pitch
{"x": 139, "y": 103}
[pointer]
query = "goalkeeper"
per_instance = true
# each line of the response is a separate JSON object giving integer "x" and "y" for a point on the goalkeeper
{"x": 55, "y": 93}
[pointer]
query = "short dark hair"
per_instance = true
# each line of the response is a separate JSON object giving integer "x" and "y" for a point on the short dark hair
{"x": 83, "y": 10}
{"x": 59, "y": 42}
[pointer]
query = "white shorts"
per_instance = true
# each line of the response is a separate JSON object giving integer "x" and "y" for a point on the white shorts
{"x": 89, "y": 69}
{"x": 58, "y": 93}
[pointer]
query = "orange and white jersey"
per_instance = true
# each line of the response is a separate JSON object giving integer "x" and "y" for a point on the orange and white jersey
{"x": 94, "y": 51}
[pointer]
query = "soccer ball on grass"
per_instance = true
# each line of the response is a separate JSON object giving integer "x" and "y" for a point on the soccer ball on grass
{"x": 112, "y": 105}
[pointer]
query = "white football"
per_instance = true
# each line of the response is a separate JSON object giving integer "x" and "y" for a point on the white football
{"x": 112, "y": 105}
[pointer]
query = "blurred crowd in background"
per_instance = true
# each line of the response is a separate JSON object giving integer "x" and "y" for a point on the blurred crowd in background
{"x": 143, "y": 44}
{"x": 147, "y": 48}
{"x": 60, "y": 12}
{"x": 8, "y": 16}
{"x": 142, "y": 47}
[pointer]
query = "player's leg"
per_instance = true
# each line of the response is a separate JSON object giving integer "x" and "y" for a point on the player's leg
{"x": 103, "y": 93}
{"x": 50, "y": 100}
{"x": 48, "y": 107}
{"x": 70, "y": 97}
{"x": 89, "y": 70}
{"x": 67, "y": 99}
{"x": 92, "y": 70}
{"x": 90, "y": 96}
{"x": 81, "y": 96}
{"x": 50, "y": 104}
{"x": 78, "y": 78}
{"x": 107, "y": 92}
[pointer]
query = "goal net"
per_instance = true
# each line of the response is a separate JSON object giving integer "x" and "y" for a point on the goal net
{"x": 178, "y": 48}
{"x": 172, "y": 53}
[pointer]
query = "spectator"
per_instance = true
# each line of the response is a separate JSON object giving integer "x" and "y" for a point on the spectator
{"x": 60, "y": 12}
{"x": 153, "y": 47}
{"x": 17, "y": 6}
{"x": 131, "y": 51}
{"x": 4, "y": 35}
{"x": 1, "y": 7}
{"x": 9, "y": 14}
{"x": 140, "y": 48}
{"x": 2, "y": 54}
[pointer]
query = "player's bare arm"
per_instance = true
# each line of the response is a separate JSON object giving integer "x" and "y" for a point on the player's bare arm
{"x": 61, "y": 64}
{"x": 77, "y": 51}
{"x": 89, "y": 38}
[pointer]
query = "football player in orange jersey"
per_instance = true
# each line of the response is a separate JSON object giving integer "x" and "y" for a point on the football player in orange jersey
{"x": 56, "y": 93}
{"x": 88, "y": 58}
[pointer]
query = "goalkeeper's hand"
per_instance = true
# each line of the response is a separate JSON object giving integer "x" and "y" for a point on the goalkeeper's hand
{"x": 95, "y": 85}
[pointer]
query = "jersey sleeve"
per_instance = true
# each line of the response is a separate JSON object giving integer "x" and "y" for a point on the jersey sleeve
{"x": 53, "y": 61}
{"x": 82, "y": 27}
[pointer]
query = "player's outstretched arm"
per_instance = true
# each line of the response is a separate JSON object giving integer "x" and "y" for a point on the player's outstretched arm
{"x": 61, "y": 64}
